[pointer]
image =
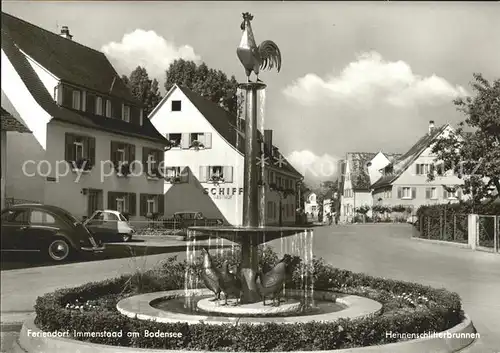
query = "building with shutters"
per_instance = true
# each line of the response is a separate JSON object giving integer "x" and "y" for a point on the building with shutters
{"x": 404, "y": 181}
{"x": 87, "y": 128}
{"x": 204, "y": 170}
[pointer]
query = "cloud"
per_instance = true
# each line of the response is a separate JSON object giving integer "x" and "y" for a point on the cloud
{"x": 147, "y": 49}
{"x": 314, "y": 167}
{"x": 371, "y": 79}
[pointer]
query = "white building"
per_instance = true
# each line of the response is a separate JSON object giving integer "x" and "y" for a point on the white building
{"x": 85, "y": 124}
{"x": 205, "y": 162}
{"x": 311, "y": 206}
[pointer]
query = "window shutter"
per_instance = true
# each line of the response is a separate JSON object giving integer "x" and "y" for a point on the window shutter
{"x": 132, "y": 199}
{"x": 114, "y": 147}
{"x": 185, "y": 141}
{"x": 459, "y": 193}
{"x": 203, "y": 174}
{"x": 70, "y": 150}
{"x": 185, "y": 175}
{"x": 445, "y": 196}
{"x": 228, "y": 174}
{"x": 161, "y": 204}
{"x": 111, "y": 200}
{"x": 144, "y": 205}
{"x": 131, "y": 153}
{"x": 90, "y": 103}
{"x": 413, "y": 193}
{"x": 91, "y": 149}
{"x": 123, "y": 111}
{"x": 208, "y": 140}
{"x": 400, "y": 192}
{"x": 417, "y": 169}
{"x": 83, "y": 102}
{"x": 428, "y": 193}
{"x": 67, "y": 96}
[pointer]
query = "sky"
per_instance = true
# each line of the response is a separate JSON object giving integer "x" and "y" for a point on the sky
{"x": 355, "y": 76}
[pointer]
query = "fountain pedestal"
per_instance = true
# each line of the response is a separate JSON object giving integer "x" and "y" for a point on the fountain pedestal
{"x": 251, "y": 233}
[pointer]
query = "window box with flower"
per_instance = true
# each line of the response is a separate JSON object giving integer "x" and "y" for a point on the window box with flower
{"x": 196, "y": 145}
{"x": 123, "y": 170}
{"x": 82, "y": 165}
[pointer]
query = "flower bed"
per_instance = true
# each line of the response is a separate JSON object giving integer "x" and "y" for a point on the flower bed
{"x": 407, "y": 308}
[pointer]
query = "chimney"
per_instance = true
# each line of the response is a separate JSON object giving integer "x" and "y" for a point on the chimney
{"x": 65, "y": 32}
{"x": 268, "y": 141}
{"x": 431, "y": 126}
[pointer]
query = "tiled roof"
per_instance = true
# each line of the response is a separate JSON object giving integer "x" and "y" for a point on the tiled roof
{"x": 404, "y": 161}
{"x": 67, "y": 59}
{"x": 225, "y": 124}
{"x": 360, "y": 179}
{"x": 392, "y": 156}
{"x": 45, "y": 100}
{"x": 10, "y": 123}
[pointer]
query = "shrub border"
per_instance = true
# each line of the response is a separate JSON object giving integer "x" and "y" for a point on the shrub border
{"x": 30, "y": 344}
{"x": 443, "y": 312}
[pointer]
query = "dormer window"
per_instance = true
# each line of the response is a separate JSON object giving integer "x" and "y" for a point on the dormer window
{"x": 126, "y": 113}
{"x": 108, "y": 108}
{"x": 76, "y": 104}
{"x": 98, "y": 106}
{"x": 176, "y": 106}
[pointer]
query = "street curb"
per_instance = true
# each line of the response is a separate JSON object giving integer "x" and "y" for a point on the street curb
{"x": 442, "y": 242}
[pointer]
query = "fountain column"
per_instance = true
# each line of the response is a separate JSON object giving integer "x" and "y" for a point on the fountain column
{"x": 249, "y": 258}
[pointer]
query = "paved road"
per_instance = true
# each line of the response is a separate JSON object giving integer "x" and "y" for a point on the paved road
{"x": 381, "y": 250}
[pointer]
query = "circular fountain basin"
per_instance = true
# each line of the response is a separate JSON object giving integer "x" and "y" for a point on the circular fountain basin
{"x": 255, "y": 309}
{"x": 148, "y": 307}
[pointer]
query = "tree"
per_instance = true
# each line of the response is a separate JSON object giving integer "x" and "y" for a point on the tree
{"x": 209, "y": 83}
{"x": 474, "y": 155}
{"x": 143, "y": 88}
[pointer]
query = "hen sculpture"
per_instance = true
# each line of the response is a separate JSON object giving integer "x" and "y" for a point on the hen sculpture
{"x": 210, "y": 275}
{"x": 270, "y": 284}
{"x": 255, "y": 58}
{"x": 231, "y": 283}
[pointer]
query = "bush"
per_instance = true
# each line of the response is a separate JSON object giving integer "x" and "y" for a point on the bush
{"x": 407, "y": 307}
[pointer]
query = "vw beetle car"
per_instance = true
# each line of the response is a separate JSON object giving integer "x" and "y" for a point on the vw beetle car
{"x": 110, "y": 225}
{"x": 48, "y": 229}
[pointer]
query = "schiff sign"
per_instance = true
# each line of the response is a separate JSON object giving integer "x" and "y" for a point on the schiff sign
{"x": 223, "y": 193}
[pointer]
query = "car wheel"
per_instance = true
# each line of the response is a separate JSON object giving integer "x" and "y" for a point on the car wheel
{"x": 126, "y": 237}
{"x": 59, "y": 249}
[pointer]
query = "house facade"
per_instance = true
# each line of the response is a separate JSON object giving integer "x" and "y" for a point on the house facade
{"x": 90, "y": 140}
{"x": 405, "y": 180}
{"x": 359, "y": 171}
{"x": 311, "y": 206}
{"x": 205, "y": 163}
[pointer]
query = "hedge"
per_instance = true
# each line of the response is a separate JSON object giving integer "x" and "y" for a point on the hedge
{"x": 407, "y": 308}
{"x": 460, "y": 208}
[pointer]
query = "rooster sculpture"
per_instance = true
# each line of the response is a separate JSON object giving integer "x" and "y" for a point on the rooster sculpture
{"x": 270, "y": 284}
{"x": 255, "y": 58}
{"x": 231, "y": 283}
{"x": 211, "y": 276}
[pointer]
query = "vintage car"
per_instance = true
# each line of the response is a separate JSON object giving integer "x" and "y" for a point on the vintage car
{"x": 48, "y": 229}
{"x": 110, "y": 225}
